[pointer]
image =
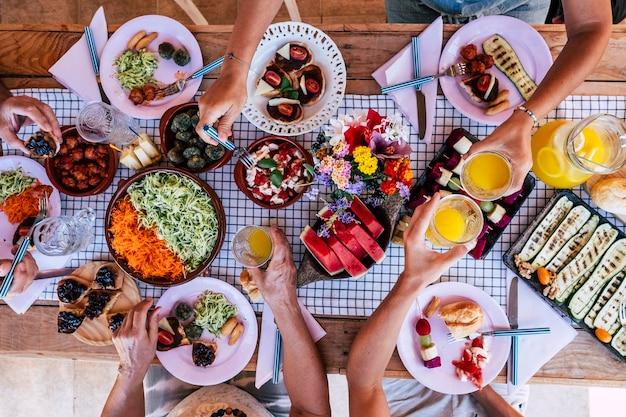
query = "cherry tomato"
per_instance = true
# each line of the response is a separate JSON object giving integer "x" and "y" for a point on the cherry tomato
{"x": 272, "y": 78}
{"x": 482, "y": 84}
{"x": 165, "y": 337}
{"x": 298, "y": 53}
{"x": 285, "y": 109}
{"x": 312, "y": 86}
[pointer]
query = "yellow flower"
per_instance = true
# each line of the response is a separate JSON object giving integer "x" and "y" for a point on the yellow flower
{"x": 361, "y": 154}
{"x": 368, "y": 166}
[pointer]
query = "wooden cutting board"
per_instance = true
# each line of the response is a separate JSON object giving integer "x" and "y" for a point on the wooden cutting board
{"x": 96, "y": 331}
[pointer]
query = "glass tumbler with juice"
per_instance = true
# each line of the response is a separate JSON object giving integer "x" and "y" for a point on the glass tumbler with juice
{"x": 486, "y": 176}
{"x": 457, "y": 220}
{"x": 252, "y": 246}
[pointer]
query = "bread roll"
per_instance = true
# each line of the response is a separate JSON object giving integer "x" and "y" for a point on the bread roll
{"x": 462, "y": 317}
{"x": 610, "y": 194}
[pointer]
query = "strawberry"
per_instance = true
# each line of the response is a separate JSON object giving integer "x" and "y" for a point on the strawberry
{"x": 422, "y": 327}
{"x": 478, "y": 342}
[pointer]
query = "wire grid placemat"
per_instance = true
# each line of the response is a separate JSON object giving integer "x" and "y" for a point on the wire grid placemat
{"x": 335, "y": 297}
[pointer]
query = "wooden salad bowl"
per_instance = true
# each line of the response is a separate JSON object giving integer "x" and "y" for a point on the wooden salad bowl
{"x": 104, "y": 184}
{"x": 168, "y": 137}
{"x": 217, "y": 205}
{"x": 240, "y": 172}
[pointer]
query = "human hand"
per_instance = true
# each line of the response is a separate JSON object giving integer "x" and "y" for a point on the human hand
{"x": 17, "y": 111}
{"x": 222, "y": 102}
{"x": 423, "y": 266}
{"x": 512, "y": 139}
{"x": 25, "y": 273}
{"x": 136, "y": 340}
{"x": 278, "y": 282}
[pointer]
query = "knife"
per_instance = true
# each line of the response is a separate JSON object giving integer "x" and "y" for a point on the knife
{"x": 512, "y": 310}
{"x": 95, "y": 62}
{"x": 419, "y": 95}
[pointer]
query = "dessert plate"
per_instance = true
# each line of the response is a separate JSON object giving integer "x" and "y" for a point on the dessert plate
{"x": 444, "y": 378}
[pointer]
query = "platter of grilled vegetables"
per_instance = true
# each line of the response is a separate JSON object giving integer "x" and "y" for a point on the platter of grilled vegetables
{"x": 576, "y": 259}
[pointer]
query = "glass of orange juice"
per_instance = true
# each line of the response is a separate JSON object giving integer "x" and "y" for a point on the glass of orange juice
{"x": 566, "y": 153}
{"x": 252, "y": 246}
{"x": 457, "y": 220}
{"x": 486, "y": 176}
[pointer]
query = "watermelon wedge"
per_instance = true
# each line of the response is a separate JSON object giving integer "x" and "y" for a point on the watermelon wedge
{"x": 366, "y": 217}
{"x": 349, "y": 240}
{"x": 320, "y": 251}
{"x": 367, "y": 242}
{"x": 354, "y": 267}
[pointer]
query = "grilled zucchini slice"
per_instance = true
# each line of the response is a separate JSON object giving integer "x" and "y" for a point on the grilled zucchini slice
{"x": 574, "y": 245}
{"x": 619, "y": 341}
{"x": 507, "y": 61}
{"x": 605, "y": 312}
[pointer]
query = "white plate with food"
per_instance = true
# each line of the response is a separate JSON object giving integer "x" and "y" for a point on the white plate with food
{"x": 488, "y": 95}
{"x": 459, "y": 367}
{"x": 146, "y": 53}
{"x": 22, "y": 180}
{"x": 207, "y": 331}
{"x": 297, "y": 80}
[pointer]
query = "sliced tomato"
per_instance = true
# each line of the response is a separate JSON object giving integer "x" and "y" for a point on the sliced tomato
{"x": 285, "y": 109}
{"x": 482, "y": 84}
{"x": 295, "y": 168}
{"x": 298, "y": 53}
{"x": 261, "y": 178}
{"x": 272, "y": 78}
{"x": 312, "y": 86}
{"x": 166, "y": 338}
{"x": 478, "y": 342}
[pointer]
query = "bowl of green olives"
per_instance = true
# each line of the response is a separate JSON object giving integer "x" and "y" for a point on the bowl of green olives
{"x": 182, "y": 146}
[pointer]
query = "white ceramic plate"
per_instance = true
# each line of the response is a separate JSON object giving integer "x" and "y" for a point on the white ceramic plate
{"x": 326, "y": 55}
{"x": 229, "y": 360}
{"x": 169, "y": 31}
{"x": 444, "y": 379}
{"x": 529, "y": 45}
{"x": 32, "y": 169}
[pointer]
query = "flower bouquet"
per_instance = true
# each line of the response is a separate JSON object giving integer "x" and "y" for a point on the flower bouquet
{"x": 362, "y": 163}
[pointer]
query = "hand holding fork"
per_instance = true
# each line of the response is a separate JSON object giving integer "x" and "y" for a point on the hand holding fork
{"x": 240, "y": 153}
{"x": 457, "y": 70}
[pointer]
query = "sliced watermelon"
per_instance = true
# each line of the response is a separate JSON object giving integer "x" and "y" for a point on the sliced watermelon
{"x": 349, "y": 240}
{"x": 367, "y": 242}
{"x": 354, "y": 267}
{"x": 320, "y": 251}
{"x": 366, "y": 217}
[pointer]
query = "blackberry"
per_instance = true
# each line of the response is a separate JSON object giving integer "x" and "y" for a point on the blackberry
{"x": 68, "y": 322}
{"x": 105, "y": 277}
{"x": 69, "y": 291}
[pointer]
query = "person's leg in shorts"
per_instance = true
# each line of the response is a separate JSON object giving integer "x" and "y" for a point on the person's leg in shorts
{"x": 409, "y": 11}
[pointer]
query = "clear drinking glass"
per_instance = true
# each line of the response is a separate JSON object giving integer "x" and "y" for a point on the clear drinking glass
{"x": 457, "y": 220}
{"x": 101, "y": 123}
{"x": 486, "y": 176}
{"x": 63, "y": 235}
{"x": 252, "y": 246}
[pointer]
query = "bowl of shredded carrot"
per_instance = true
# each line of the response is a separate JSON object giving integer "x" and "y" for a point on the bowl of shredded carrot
{"x": 143, "y": 250}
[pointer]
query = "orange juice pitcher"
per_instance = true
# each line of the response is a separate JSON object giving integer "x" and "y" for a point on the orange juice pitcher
{"x": 568, "y": 153}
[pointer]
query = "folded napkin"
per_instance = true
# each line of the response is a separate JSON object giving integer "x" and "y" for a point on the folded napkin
{"x": 265, "y": 357}
{"x": 74, "y": 69}
{"x": 400, "y": 68}
{"x": 535, "y": 351}
{"x": 22, "y": 302}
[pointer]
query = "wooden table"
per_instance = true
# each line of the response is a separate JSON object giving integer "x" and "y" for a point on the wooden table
{"x": 27, "y": 51}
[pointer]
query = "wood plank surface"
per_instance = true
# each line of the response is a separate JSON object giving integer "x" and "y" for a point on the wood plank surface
{"x": 23, "y": 62}
{"x": 582, "y": 362}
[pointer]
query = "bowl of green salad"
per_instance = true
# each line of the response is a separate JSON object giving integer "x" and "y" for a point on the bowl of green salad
{"x": 164, "y": 226}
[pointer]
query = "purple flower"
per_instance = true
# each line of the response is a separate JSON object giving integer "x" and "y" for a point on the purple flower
{"x": 312, "y": 193}
{"x": 324, "y": 179}
{"x": 403, "y": 190}
{"x": 374, "y": 201}
{"x": 324, "y": 231}
{"x": 346, "y": 217}
{"x": 339, "y": 205}
{"x": 385, "y": 148}
{"x": 356, "y": 188}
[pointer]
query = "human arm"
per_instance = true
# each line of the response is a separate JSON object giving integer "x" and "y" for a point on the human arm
{"x": 494, "y": 404}
{"x": 588, "y": 26}
{"x": 135, "y": 342}
{"x": 374, "y": 344}
{"x": 17, "y": 111}
{"x": 222, "y": 102}
{"x": 25, "y": 273}
{"x": 303, "y": 371}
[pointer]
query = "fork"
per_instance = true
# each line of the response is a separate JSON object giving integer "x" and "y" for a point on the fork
{"x": 504, "y": 332}
{"x": 23, "y": 247}
{"x": 457, "y": 70}
{"x": 240, "y": 153}
{"x": 179, "y": 85}
{"x": 622, "y": 313}
{"x": 95, "y": 61}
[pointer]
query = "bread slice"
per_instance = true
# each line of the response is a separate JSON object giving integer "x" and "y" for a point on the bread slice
{"x": 250, "y": 287}
{"x": 462, "y": 317}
